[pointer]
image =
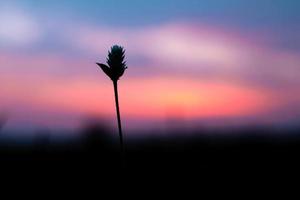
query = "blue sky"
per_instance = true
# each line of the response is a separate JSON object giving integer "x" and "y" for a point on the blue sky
{"x": 277, "y": 17}
{"x": 136, "y": 12}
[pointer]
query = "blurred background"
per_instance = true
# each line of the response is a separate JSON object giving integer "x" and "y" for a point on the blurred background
{"x": 195, "y": 69}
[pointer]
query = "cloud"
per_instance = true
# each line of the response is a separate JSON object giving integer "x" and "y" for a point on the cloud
{"x": 207, "y": 51}
{"x": 197, "y": 50}
{"x": 201, "y": 71}
{"x": 184, "y": 44}
{"x": 17, "y": 28}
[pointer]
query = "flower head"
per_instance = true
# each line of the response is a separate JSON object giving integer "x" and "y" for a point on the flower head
{"x": 116, "y": 64}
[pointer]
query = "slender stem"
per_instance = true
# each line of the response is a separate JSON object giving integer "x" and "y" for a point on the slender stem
{"x": 118, "y": 116}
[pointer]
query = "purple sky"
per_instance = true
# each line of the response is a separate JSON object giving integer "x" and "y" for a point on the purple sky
{"x": 228, "y": 62}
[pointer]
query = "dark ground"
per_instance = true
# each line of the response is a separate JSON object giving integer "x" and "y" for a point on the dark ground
{"x": 240, "y": 153}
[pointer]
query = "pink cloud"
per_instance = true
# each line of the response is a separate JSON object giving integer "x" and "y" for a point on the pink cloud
{"x": 217, "y": 51}
{"x": 70, "y": 85}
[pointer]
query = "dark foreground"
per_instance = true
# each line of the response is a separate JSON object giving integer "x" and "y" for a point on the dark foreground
{"x": 243, "y": 152}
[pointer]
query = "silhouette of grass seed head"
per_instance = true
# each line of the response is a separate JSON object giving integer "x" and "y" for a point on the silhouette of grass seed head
{"x": 116, "y": 64}
{"x": 114, "y": 70}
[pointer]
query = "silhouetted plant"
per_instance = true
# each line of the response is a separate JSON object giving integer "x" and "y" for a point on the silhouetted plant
{"x": 114, "y": 70}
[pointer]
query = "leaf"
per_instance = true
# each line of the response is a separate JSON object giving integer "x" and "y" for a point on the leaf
{"x": 105, "y": 69}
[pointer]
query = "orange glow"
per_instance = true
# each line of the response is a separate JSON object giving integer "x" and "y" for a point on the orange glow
{"x": 192, "y": 98}
{"x": 152, "y": 97}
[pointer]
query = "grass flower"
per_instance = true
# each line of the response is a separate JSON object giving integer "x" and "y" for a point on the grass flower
{"x": 114, "y": 69}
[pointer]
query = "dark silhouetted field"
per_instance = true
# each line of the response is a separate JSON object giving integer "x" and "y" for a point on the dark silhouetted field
{"x": 96, "y": 154}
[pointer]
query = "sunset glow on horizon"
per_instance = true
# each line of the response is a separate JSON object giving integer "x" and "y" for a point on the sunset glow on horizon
{"x": 181, "y": 65}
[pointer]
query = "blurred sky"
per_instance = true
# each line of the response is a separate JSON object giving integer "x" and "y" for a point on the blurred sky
{"x": 229, "y": 62}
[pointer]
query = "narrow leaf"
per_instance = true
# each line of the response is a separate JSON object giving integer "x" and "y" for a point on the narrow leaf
{"x": 105, "y": 69}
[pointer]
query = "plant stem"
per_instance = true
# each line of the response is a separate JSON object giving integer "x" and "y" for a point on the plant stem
{"x": 118, "y": 116}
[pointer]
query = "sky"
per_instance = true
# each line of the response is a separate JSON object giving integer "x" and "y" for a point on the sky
{"x": 217, "y": 62}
